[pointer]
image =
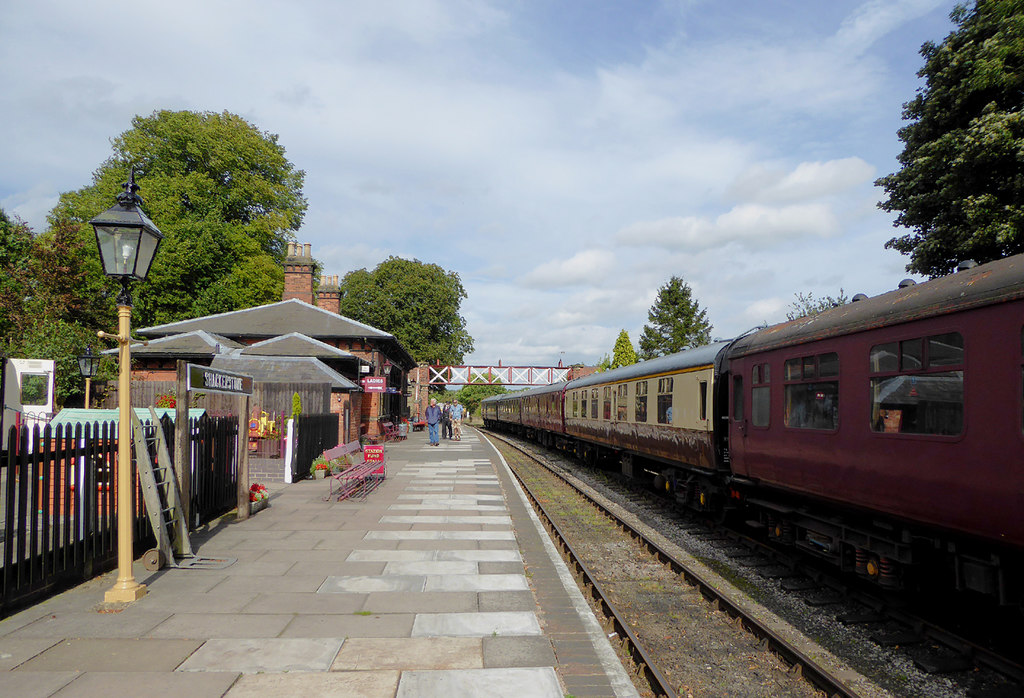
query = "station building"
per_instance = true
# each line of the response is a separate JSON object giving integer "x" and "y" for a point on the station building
{"x": 302, "y": 340}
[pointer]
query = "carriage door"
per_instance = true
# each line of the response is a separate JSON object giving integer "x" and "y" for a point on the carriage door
{"x": 738, "y": 426}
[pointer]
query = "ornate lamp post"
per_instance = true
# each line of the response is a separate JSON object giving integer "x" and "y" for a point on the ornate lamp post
{"x": 88, "y": 366}
{"x": 127, "y": 241}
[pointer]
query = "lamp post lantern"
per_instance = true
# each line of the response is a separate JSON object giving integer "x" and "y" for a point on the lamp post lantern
{"x": 127, "y": 241}
{"x": 88, "y": 367}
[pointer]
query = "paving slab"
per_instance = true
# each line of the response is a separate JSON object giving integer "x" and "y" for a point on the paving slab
{"x": 365, "y": 684}
{"x": 150, "y": 684}
{"x": 475, "y": 624}
{"x": 410, "y": 653}
{"x": 16, "y": 652}
{"x": 35, "y": 684}
{"x": 251, "y": 656}
{"x": 494, "y": 683}
{"x": 116, "y": 655}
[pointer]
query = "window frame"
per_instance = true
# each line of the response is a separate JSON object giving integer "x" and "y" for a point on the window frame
{"x": 760, "y": 384}
{"x": 666, "y": 388}
{"x": 919, "y": 367}
{"x": 810, "y": 364}
{"x": 641, "y": 391}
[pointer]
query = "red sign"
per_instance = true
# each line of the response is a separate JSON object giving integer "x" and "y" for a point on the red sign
{"x": 375, "y": 384}
{"x": 373, "y": 453}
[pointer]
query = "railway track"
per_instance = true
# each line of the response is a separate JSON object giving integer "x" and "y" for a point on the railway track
{"x": 798, "y": 659}
{"x": 919, "y": 645}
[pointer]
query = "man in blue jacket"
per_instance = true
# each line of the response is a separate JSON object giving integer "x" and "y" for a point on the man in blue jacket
{"x": 433, "y": 420}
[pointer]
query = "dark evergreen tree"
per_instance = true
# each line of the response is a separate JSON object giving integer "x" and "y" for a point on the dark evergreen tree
{"x": 675, "y": 322}
{"x": 960, "y": 187}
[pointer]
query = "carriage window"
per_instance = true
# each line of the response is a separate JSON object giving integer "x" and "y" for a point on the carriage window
{"x": 641, "y": 401}
{"x": 583, "y": 404}
{"x": 622, "y": 403}
{"x": 737, "y": 398}
{"x": 594, "y": 407}
{"x": 703, "y": 399}
{"x": 812, "y": 402}
{"x": 575, "y": 403}
{"x": 607, "y": 402}
{"x": 664, "y": 401}
{"x": 760, "y": 395}
{"x": 916, "y": 398}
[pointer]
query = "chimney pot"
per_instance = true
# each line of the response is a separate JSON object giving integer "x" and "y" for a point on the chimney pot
{"x": 306, "y": 247}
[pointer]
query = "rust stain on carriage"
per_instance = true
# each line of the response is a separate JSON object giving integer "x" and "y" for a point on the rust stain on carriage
{"x": 687, "y": 446}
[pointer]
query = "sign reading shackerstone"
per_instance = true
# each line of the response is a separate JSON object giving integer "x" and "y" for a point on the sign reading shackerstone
{"x": 204, "y": 379}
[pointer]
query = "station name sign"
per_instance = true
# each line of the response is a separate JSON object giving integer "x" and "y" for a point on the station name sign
{"x": 204, "y": 379}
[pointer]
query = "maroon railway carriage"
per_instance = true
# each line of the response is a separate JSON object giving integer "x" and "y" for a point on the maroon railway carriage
{"x": 907, "y": 405}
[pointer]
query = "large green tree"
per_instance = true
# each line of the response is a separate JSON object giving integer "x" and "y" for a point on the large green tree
{"x": 47, "y": 308}
{"x": 623, "y": 354}
{"x": 416, "y": 302}
{"x": 471, "y": 395}
{"x": 223, "y": 194}
{"x": 960, "y": 187}
{"x": 675, "y": 322}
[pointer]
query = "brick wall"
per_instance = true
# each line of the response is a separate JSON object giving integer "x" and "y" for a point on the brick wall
{"x": 298, "y": 273}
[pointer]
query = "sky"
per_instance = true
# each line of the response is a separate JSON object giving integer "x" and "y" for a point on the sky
{"x": 565, "y": 158}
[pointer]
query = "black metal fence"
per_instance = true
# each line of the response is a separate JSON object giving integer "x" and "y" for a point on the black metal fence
{"x": 315, "y": 434}
{"x": 58, "y": 505}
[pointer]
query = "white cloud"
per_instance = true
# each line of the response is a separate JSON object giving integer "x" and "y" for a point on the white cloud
{"x": 753, "y": 225}
{"x": 806, "y": 182}
{"x": 589, "y": 267}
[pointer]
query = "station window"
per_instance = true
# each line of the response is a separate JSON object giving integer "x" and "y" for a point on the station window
{"x": 917, "y": 385}
{"x": 760, "y": 395}
{"x": 664, "y": 401}
{"x": 593, "y": 403}
{"x": 622, "y": 403}
{"x": 34, "y": 389}
{"x": 812, "y": 392}
{"x": 607, "y": 402}
{"x": 641, "y": 401}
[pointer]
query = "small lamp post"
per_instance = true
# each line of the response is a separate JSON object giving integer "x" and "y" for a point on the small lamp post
{"x": 88, "y": 366}
{"x": 127, "y": 241}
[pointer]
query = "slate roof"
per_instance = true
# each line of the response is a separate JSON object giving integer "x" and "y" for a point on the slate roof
{"x": 298, "y": 344}
{"x": 278, "y": 319}
{"x": 284, "y": 369}
{"x": 197, "y": 343}
{"x": 271, "y": 321}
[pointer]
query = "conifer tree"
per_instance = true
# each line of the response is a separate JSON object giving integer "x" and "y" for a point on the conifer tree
{"x": 675, "y": 322}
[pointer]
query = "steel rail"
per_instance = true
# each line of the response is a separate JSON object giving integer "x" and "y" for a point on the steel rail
{"x": 815, "y": 674}
{"x": 655, "y": 679}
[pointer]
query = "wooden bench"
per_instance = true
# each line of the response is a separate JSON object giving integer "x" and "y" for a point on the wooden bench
{"x": 361, "y": 479}
{"x": 391, "y": 432}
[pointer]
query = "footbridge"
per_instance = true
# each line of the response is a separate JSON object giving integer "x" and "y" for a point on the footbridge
{"x": 505, "y": 375}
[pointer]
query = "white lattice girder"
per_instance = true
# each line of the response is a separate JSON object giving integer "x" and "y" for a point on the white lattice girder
{"x": 505, "y": 375}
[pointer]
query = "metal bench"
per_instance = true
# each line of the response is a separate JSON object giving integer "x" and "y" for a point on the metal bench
{"x": 361, "y": 479}
{"x": 391, "y": 432}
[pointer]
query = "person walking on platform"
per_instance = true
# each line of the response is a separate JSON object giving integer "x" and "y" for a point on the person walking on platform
{"x": 457, "y": 420}
{"x": 433, "y": 416}
{"x": 446, "y": 421}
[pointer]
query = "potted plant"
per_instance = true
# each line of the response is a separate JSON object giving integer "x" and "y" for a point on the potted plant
{"x": 320, "y": 467}
{"x": 259, "y": 498}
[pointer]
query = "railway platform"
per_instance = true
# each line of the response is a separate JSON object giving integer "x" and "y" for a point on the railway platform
{"x": 439, "y": 583}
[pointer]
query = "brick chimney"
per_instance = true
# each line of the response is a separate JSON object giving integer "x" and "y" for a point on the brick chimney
{"x": 298, "y": 273}
{"x": 328, "y": 296}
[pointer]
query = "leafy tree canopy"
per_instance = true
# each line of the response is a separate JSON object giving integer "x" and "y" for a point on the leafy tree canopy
{"x": 223, "y": 194}
{"x": 418, "y": 303}
{"x": 471, "y": 395}
{"x": 623, "y": 354}
{"x": 675, "y": 322}
{"x": 806, "y": 304}
{"x": 960, "y": 187}
{"x": 47, "y": 309}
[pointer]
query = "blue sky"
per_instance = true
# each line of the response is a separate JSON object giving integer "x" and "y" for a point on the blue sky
{"x": 564, "y": 158}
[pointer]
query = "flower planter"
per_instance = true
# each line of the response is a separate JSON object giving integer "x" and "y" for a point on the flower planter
{"x": 319, "y": 474}
{"x": 258, "y": 506}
